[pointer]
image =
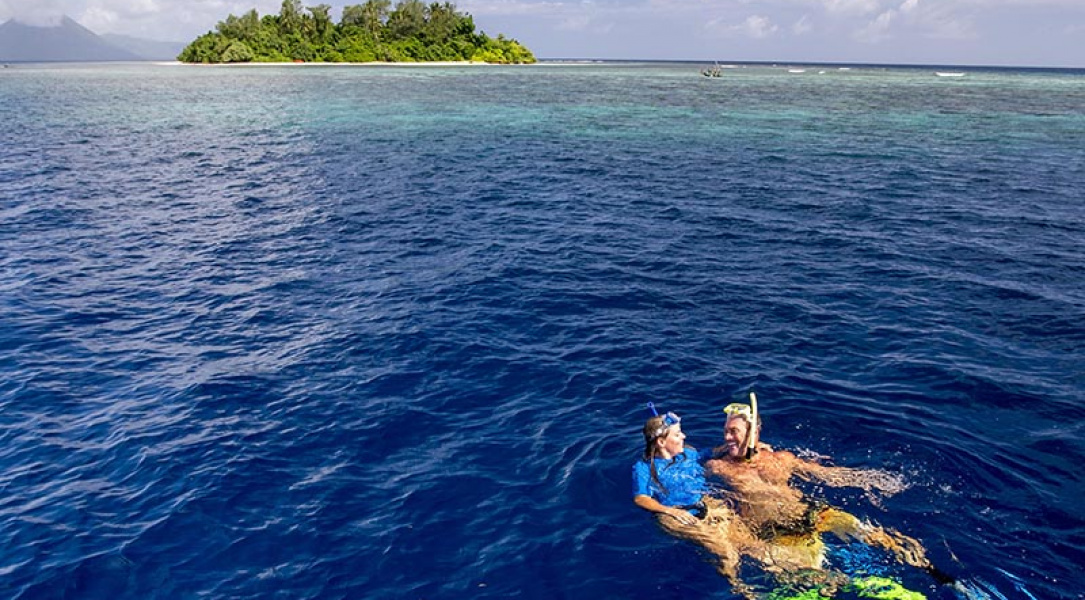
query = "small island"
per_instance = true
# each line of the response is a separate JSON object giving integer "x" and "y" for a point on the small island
{"x": 372, "y": 32}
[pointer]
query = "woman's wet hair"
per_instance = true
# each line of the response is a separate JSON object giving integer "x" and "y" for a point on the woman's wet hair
{"x": 652, "y": 427}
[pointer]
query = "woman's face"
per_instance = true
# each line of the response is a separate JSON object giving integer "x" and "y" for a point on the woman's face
{"x": 674, "y": 442}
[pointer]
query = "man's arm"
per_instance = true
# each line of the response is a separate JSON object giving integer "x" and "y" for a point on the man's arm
{"x": 869, "y": 480}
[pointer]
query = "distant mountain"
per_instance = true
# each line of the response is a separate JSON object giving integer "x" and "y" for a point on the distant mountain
{"x": 67, "y": 42}
{"x": 146, "y": 49}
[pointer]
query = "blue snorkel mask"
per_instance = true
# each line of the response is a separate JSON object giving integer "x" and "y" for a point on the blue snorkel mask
{"x": 669, "y": 420}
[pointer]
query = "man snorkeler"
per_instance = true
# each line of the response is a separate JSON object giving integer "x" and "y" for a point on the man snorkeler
{"x": 788, "y": 522}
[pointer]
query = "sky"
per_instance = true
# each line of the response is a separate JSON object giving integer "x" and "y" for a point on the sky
{"x": 1044, "y": 33}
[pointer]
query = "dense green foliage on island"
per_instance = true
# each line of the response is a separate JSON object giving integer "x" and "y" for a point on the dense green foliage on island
{"x": 411, "y": 32}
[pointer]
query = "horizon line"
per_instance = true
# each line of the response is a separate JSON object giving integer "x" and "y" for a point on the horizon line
{"x": 630, "y": 61}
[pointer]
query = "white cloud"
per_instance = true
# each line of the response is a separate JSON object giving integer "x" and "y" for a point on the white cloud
{"x": 516, "y": 7}
{"x": 759, "y": 27}
{"x": 802, "y": 26}
{"x": 43, "y": 13}
{"x": 1027, "y": 3}
{"x": 755, "y": 26}
{"x": 154, "y": 19}
{"x": 99, "y": 19}
{"x": 585, "y": 24}
{"x": 940, "y": 21}
{"x": 930, "y": 21}
{"x": 951, "y": 29}
{"x": 581, "y": 17}
{"x": 878, "y": 29}
{"x": 860, "y": 7}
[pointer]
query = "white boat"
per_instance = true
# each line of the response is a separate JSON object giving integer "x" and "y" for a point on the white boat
{"x": 949, "y": 74}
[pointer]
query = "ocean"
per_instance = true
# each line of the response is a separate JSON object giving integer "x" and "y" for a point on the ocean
{"x": 389, "y": 332}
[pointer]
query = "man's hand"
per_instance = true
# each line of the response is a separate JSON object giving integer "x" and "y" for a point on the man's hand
{"x": 682, "y": 516}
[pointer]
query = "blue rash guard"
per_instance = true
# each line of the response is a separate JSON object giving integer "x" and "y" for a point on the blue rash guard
{"x": 683, "y": 477}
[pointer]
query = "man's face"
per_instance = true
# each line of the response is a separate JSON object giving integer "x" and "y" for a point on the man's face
{"x": 734, "y": 436}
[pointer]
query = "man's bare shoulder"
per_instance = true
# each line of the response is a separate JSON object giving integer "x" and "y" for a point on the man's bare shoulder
{"x": 784, "y": 455}
{"x": 779, "y": 459}
{"x": 720, "y": 465}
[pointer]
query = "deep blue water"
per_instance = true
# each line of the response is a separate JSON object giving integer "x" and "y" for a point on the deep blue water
{"x": 388, "y": 332}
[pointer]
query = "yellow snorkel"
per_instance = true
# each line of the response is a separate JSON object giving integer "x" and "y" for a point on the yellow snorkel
{"x": 751, "y": 450}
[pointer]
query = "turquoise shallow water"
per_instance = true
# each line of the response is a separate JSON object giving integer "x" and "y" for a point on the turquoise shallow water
{"x": 387, "y": 332}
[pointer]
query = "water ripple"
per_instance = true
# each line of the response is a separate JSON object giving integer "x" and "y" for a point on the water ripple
{"x": 388, "y": 333}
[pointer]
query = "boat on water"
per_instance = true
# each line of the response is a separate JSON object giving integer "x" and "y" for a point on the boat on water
{"x": 714, "y": 71}
{"x": 949, "y": 73}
